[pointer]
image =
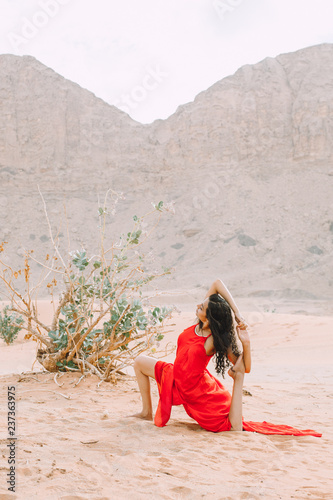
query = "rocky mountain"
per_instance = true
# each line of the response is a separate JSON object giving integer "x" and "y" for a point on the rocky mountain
{"x": 278, "y": 109}
{"x": 248, "y": 164}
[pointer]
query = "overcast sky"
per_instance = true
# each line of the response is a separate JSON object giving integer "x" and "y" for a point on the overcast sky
{"x": 149, "y": 56}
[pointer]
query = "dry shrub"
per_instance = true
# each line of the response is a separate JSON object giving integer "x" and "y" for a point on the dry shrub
{"x": 102, "y": 321}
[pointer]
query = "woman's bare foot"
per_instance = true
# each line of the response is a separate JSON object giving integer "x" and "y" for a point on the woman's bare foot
{"x": 143, "y": 415}
{"x": 238, "y": 368}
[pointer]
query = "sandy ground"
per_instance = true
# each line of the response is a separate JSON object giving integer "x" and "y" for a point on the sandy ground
{"x": 77, "y": 442}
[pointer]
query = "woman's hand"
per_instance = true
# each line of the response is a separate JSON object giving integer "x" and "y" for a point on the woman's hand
{"x": 241, "y": 321}
{"x": 243, "y": 335}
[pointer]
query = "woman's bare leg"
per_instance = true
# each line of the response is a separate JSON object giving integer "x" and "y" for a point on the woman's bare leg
{"x": 144, "y": 367}
{"x": 235, "y": 414}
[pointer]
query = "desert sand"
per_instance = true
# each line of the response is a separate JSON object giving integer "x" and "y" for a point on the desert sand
{"x": 78, "y": 441}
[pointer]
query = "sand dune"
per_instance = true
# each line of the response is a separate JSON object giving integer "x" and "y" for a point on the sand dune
{"x": 78, "y": 442}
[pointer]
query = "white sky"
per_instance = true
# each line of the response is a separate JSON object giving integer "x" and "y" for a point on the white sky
{"x": 149, "y": 56}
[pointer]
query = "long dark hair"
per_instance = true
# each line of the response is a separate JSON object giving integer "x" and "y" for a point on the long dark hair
{"x": 221, "y": 325}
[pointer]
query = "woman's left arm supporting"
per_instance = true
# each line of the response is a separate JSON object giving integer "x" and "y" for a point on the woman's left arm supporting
{"x": 245, "y": 340}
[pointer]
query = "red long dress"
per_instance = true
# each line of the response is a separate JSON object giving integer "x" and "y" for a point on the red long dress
{"x": 187, "y": 382}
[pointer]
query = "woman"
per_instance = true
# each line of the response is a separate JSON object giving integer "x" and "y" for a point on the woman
{"x": 188, "y": 382}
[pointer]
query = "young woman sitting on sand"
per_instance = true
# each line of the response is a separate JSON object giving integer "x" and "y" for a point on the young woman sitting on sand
{"x": 187, "y": 382}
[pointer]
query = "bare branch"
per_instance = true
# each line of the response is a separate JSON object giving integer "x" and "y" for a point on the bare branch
{"x": 50, "y": 230}
{"x": 55, "y": 379}
{"x": 30, "y": 316}
{"x": 63, "y": 301}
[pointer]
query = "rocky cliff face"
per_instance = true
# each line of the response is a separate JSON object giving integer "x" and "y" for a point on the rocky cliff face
{"x": 275, "y": 110}
{"x": 54, "y": 130}
{"x": 249, "y": 165}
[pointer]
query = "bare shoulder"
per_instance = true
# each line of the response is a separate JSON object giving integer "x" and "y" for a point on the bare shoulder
{"x": 209, "y": 346}
{"x": 231, "y": 356}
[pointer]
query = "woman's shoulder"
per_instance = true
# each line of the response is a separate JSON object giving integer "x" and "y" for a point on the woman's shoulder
{"x": 209, "y": 345}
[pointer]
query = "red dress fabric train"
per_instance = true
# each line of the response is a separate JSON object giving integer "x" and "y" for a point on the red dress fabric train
{"x": 187, "y": 382}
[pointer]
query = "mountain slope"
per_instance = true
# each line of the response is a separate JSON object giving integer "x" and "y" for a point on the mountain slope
{"x": 248, "y": 165}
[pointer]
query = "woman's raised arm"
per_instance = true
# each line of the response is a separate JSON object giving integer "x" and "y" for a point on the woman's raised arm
{"x": 219, "y": 287}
